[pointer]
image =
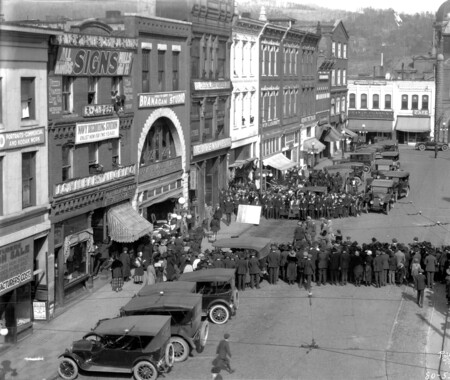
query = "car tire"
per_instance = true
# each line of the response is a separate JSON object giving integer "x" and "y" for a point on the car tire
{"x": 444, "y": 147}
{"x": 219, "y": 314}
{"x": 144, "y": 370}
{"x": 236, "y": 297}
{"x": 422, "y": 147}
{"x": 68, "y": 369}
{"x": 366, "y": 169}
{"x": 170, "y": 355}
{"x": 181, "y": 348}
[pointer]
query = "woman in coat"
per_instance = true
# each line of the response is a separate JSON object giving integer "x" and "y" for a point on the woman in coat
{"x": 291, "y": 271}
{"x": 139, "y": 264}
{"x": 117, "y": 275}
{"x": 126, "y": 264}
{"x": 357, "y": 268}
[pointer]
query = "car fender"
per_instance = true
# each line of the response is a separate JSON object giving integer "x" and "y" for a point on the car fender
{"x": 146, "y": 358}
{"x": 187, "y": 338}
{"x": 222, "y": 303}
{"x": 74, "y": 357}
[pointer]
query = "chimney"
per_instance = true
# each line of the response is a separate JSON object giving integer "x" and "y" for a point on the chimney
{"x": 262, "y": 15}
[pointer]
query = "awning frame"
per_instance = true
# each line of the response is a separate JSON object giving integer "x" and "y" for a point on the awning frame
{"x": 279, "y": 161}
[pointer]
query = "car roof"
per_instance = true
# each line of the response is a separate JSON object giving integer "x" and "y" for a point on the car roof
{"x": 382, "y": 183}
{"x": 167, "y": 287}
{"x": 394, "y": 173}
{"x": 383, "y": 161}
{"x": 206, "y": 275}
{"x": 389, "y": 154}
{"x": 135, "y": 325}
{"x": 339, "y": 168}
{"x": 258, "y": 244}
{"x": 166, "y": 301}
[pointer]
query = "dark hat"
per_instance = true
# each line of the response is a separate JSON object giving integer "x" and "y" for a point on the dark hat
{"x": 226, "y": 336}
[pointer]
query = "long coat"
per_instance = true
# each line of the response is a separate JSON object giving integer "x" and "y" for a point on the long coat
{"x": 430, "y": 263}
{"x": 253, "y": 266}
{"x": 291, "y": 272}
{"x": 126, "y": 264}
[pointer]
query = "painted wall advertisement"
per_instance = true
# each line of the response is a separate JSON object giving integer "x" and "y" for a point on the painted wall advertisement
{"x": 96, "y": 131}
{"x": 55, "y": 96}
{"x": 16, "y": 264}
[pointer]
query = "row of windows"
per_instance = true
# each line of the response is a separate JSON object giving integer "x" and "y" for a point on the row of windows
{"x": 269, "y": 56}
{"x": 338, "y": 77}
{"x": 337, "y": 106}
{"x": 208, "y": 58}
{"x": 339, "y": 50}
{"x": 160, "y": 69}
{"x": 388, "y": 102}
{"x": 244, "y": 106}
{"x": 269, "y": 105}
{"x": 243, "y": 57}
{"x": 208, "y": 119}
{"x": 290, "y": 102}
{"x": 271, "y": 146}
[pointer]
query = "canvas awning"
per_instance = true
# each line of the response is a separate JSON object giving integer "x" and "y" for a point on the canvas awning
{"x": 240, "y": 163}
{"x": 279, "y": 161}
{"x": 126, "y": 225}
{"x": 308, "y": 145}
{"x": 349, "y": 133}
{"x": 413, "y": 124}
{"x": 332, "y": 135}
{"x": 384, "y": 126}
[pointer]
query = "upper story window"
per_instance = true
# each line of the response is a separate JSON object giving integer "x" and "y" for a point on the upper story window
{"x": 404, "y": 102}
{"x": 27, "y": 98}
{"x": 363, "y": 100}
{"x": 376, "y": 101}
{"x": 115, "y": 147}
{"x": 145, "y": 70}
{"x": 93, "y": 156}
{"x": 92, "y": 90}
{"x": 352, "y": 103}
{"x": 161, "y": 70}
{"x": 344, "y": 76}
{"x": 67, "y": 162}
{"x": 339, "y": 50}
{"x": 387, "y": 102}
{"x": 333, "y": 77}
{"x": 425, "y": 102}
{"x": 344, "y": 52}
{"x": 287, "y": 61}
{"x": 415, "y": 102}
{"x": 333, "y": 49}
{"x": 175, "y": 70}
{"x": 67, "y": 94}
{"x": 338, "y": 105}
{"x": 343, "y": 106}
{"x": 28, "y": 179}
{"x": 338, "y": 77}
{"x": 221, "y": 59}
{"x": 159, "y": 144}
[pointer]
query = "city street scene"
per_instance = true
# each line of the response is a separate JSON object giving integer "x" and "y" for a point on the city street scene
{"x": 221, "y": 189}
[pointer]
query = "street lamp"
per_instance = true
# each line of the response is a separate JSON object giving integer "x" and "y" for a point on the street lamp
{"x": 343, "y": 137}
{"x": 313, "y": 154}
{"x": 363, "y": 132}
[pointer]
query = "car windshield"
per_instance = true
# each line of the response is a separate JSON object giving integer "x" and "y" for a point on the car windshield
{"x": 126, "y": 342}
{"x": 213, "y": 287}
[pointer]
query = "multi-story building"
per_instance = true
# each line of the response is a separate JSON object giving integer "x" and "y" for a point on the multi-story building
{"x": 384, "y": 109}
{"x": 24, "y": 203}
{"x": 210, "y": 93}
{"x": 92, "y": 160}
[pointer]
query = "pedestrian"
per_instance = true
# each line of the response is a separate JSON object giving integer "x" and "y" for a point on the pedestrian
{"x": 117, "y": 275}
{"x": 344, "y": 264}
{"x": 420, "y": 287}
{"x": 254, "y": 270}
{"x": 224, "y": 354}
{"x": 357, "y": 268}
{"x": 378, "y": 268}
{"x": 273, "y": 263}
{"x": 323, "y": 259}
{"x": 309, "y": 271}
{"x": 215, "y": 227}
{"x": 392, "y": 268}
{"x": 368, "y": 268}
{"x": 241, "y": 271}
{"x": 151, "y": 274}
{"x": 139, "y": 264}
{"x": 415, "y": 267}
{"x": 430, "y": 267}
{"x": 126, "y": 264}
{"x": 291, "y": 272}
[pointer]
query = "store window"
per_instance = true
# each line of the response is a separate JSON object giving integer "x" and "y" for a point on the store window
{"x": 67, "y": 94}
{"x": 75, "y": 265}
{"x": 425, "y": 102}
{"x": 145, "y": 70}
{"x": 404, "y": 102}
{"x": 28, "y": 179}
{"x": 387, "y": 102}
{"x": 92, "y": 90}
{"x": 415, "y": 102}
{"x": 376, "y": 101}
{"x": 67, "y": 162}
{"x": 364, "y": 101}
{"x": 352, "y": 103}
{"x": 159, "y": 143}
{"x": 27, "y": 98}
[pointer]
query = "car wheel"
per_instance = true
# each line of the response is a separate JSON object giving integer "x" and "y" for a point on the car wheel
{"x": 170, "y": 355}
{"x": 180, "y": 348}
{"x": 219, "y": 314}
{"x": 68, "y": 369}
{"x": 366, "y": 169}
{"x": 145, "y": 370}
{"x": 236, "y": 298}
{"x": 422, "y": 147}
{"x": 444, "y": 148}
{"x": 358, "y": 181}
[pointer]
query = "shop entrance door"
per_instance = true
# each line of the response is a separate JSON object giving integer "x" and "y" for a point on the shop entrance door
{"x": 211, "y": 182}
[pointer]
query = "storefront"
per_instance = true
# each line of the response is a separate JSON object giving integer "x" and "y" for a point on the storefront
{"x": 411, "y": 129}
{"x": 312, "y": 149}
{"x": 241, "y": 164}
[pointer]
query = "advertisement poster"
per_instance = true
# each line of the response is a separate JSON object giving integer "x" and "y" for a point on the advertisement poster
{"x": 96, "y": 131}
{"x": 248, "y": 214}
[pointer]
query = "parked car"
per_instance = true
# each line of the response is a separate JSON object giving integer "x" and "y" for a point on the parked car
{"x": 384, "y": 164}
{"x": 401, "y": 181}
{"x": 139, "y": 345}
{"x": 188, "y": 332}
{"x": 260, "y": 245}
{"x": 366, "y": 156}
{"x": 431, "y": 144}
{"x": 167, "y": 287}
{"x": 359, "y": 169}
{"x": 382, "y": 195}
{"x": 220, "y": 298}
{"x": 387, "y": 145}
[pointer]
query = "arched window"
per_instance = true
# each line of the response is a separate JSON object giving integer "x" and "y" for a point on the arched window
{"x": 159, "y": 144}
{"x": 415, "y": 102}
{"x": 352, "y": 103}
{"x": 376, "y": 101}
{"x": 387, "y": 102}
{"x": 404, "y": 102}
{"x": 425, "y": 102}
{"x": 363, "y": 100}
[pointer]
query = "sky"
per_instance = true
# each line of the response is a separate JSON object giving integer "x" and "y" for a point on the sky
{"x": 400, "y": 6}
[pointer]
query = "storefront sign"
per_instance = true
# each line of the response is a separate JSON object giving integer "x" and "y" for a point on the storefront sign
{"x": 39, "y": 310}
{"x": 307, "y": 119}
{"x": 369, "y": 82}
{"x": 373, "y": 115}
{"x": 94, "y": 180}
{"x": 96, "y": 131}
{"x": 161, "y": 99}
{"x": 16, "y": 264}
{"x": 98, "y": 110}
{"x": 421, "y": 113}
{"x": 212, "y": 85}
{"x": 93, "y": 62}
{"x": 324, "y": 76}
{"x": 21, "y": 139}
{"x": 86, "y": 40}
{"x": 118, "y": 195}
{"x": 211, "y": 146}
{"x": 159, "y": 169}
{"x": 271, "y": 123}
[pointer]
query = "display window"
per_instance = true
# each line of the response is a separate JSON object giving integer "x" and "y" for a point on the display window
{"x": 76, "y": 263}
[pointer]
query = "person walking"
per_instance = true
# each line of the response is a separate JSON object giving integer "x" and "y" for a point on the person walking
{"x": 415, "y": 267}
{"x": 224, "y": 354}
{"x": 126, "y": 264}
{"x": 430, "y": 267}
{"x": 254, "y": 270}
{"x": 291, "y": 272}
{"x": 420, "y": 287}
{"x": 117, "y": 275}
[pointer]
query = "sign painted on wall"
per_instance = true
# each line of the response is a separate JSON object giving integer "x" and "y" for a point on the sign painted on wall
{"x": 98, "y": 110}
{"x": 93, "y": 62}
{"x": 211, "y": 146}
{"x": 118, "y": 195}
{"x": 16, "y": 264}
{"x": 212, "y": 85}
{"x": 161, "y": 99}
{"x": 421, "y": 113}
{"x": 159, "y": 169}
{"x": 93, "y": 180}
{"x": 21, "y": 139}
{"x": 369, "y": 114}
{"x": 54, "y": 95}
{"x": 90, "y": 40}
{"x": 96, "y": 131}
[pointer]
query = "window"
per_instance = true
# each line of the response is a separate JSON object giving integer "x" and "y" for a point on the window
{"x": 270, "y": 64}
{"x": 338, "y": 105}
{"x": 333, "y": 49}
{"x": 352, "y": 101}
{"x": 1, "y": 185}
{"x": 287, "y": 59}
{"x": 264, "y": 68}
{"x": 93, "y": 157}
{"x": 28, "y": 179}
{"x": 363, "y": 100}
{"x": 145, "y": 70}
{"x": 338, "y": 79}
{"x": 285, "y": 102}
{"x": 376, "y": 101}
{"x": 175, "y": 70}
{"x": 27, "y": 98}
{"x": 195, "y": 59}
{"x": 116, "y": 86}
{"x": 115, "y": 145}
{"x": 387, "y": 102}
{"x": 308, "y": 132}
{"x": 333, "y": 77}
{"x": 159, "y": 144}
{"x": 295, "y": 61}
{"x": 415, "y": 102}
{"x": 333, "y": 107}
{"x": 344, "y": 76}
{"x": 425, "y": 102}
{"x": 92, "y": 90}
{"x": 161, "y": 72}
{"x": 67, "y": 98}
{"x": 339, "y": 50}
{"x": 344, "y": 53}
{"x": 275, "y": 97}
{"x": 343, "y": 105}
{"x": 404, "y": 102}
{"x": 67, "y": 160}
{"x": 221, "y": 59}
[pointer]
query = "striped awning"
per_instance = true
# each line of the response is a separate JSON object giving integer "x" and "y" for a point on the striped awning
{"x": 413, "y": 124}
{"x": 332, "y": 135}
{"x": 313, "y": 144}
{"x": 279, "y": 161}
{"x": 126, "y": 225}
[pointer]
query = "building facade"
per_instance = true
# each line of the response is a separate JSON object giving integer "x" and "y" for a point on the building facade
{"x": 24, "y": 203}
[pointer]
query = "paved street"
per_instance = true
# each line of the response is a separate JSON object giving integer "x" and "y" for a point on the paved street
{"x": 359, "y": 333}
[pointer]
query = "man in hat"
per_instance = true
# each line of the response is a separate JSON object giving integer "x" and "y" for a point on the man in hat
{"x": 420, "y": 281}
{"x": 273, "y": 264}
{"x": 344, "y": 264}
{"x": 241, "y": 271}
{"x": 430, "y": 267}
{"x": 224, "y": 354}
{"x": 254, "y": 271}
{"x": 378, "y": 268}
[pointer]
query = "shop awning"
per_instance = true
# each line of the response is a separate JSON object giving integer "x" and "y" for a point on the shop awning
{"x": 349, "y": 133}
{"x": 332, "y": 135}
{"x": 240, "y": 163}
{"x": 384, "y": 126}
{"x": 308, "y": 145}
{"x": 413, "y": 124}
{"x": 126, "y": 225}
{"x": 279, "y": 161}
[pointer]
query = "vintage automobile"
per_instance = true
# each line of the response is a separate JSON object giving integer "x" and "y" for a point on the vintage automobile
{"x": 347, "y": 174}
{"x": 359, "y": 169}
{"x": 366, "y": 156}
{"x": 431, "y": 144}
{"x": 188, "y": 332}
{"x": 390, "y": 155}
{"x": 384, "y": 164}
{"x": 314, "y": 189}
{"x": 401, "y": 181}
{"x": 167, "y": 287}
{"x": 220, "y": 298}
{"x": 139, "y": 345}
{"x": 387, "y": 145}
{"x": 382, "y": 195}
